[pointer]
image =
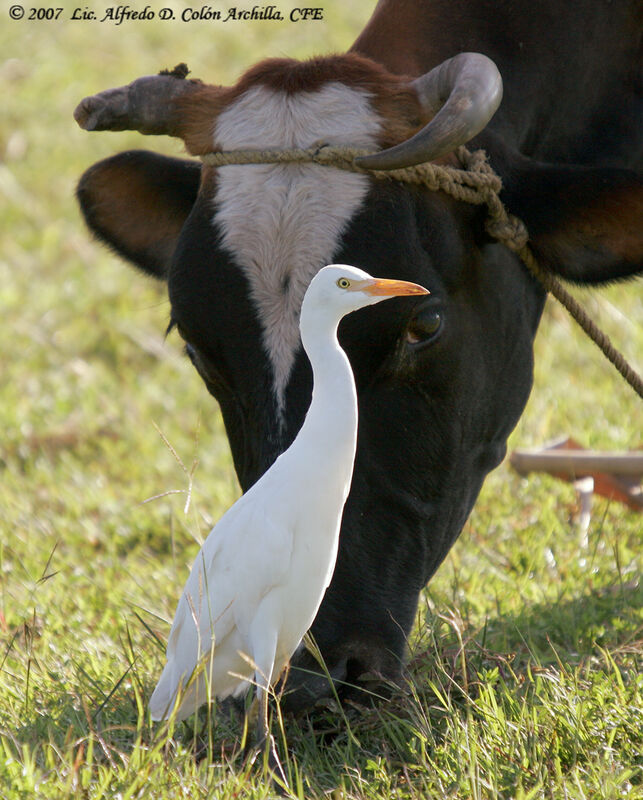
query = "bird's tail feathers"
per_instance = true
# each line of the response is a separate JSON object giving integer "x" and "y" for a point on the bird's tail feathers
{"x": 162, "y": 700}
{"x": 178, "y": 696}
{"x": 182, "y": 685}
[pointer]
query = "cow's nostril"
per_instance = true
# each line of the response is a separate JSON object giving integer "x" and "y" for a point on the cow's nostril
{"x": 307, "y": 683}
{"x": 354, "y": 668}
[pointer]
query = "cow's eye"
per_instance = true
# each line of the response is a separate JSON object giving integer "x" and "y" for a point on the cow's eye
{"x": 203, "y": 366}
{"x": 343, "y": 283}
{"x": 424, "y": 327}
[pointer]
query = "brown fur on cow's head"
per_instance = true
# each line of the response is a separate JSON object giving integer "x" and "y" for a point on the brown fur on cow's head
{"x": 171, "y": 104}
{"x": 454, "y": 101}
{"x": 391, "y": 96}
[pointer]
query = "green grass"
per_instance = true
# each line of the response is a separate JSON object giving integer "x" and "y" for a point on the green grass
{"x": 525, "y": 665}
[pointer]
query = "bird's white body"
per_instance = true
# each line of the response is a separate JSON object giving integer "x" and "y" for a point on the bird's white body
{"x": 260, "y": 577}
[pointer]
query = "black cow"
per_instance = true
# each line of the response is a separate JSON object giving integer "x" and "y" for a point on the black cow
{"x": 441, "y": 381}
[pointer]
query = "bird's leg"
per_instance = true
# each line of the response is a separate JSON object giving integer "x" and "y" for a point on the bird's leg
{"x": 262, "y": 743}
{"x": 262, "y": 730}
{"x": 263, "y": 635}
{"x": 264, "y": 739}
{"x": 250, "y": 724}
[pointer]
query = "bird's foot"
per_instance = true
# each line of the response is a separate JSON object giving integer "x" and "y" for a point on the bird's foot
{"x": 266, "y": 751}
{"x": 274, "y": 765}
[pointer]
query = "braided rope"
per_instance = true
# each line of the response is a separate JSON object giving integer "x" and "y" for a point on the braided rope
{"x": 478, "y": 184}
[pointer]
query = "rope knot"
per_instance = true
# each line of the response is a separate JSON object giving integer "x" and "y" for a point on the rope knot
{"x": 509, "y": 230}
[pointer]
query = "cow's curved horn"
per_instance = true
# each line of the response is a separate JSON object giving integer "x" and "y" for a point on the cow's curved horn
{"x": 463, "y": 93}
{"x": 146, "y": 105}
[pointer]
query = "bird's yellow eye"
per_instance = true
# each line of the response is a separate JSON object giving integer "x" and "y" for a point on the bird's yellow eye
{"x": 343, "y": 283}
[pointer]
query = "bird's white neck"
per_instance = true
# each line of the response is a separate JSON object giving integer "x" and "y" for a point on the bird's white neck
{"x": 331, "y": 422}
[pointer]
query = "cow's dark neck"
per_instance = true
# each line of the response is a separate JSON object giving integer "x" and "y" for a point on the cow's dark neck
{"x": 556, "y": 100}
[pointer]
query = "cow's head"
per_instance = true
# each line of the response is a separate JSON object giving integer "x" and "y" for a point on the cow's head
{"x": 441, "y": 381}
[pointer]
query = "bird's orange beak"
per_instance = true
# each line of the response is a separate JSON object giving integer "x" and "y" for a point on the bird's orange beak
{"x": 382, "y": 286}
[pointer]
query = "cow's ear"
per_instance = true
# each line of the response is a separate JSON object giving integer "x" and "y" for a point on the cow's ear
{"x": 136, "y": 202}
{"x": 584, "y": 223}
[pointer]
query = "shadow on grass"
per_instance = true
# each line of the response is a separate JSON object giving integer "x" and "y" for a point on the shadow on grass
{"x": 569, "y": 629}
{"x": 453, "y": 663}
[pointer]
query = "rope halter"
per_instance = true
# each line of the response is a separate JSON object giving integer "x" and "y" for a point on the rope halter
{"x": 475, "y": 183}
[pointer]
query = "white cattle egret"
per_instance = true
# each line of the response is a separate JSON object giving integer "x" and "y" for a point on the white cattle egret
{"x": 258, "y": 581}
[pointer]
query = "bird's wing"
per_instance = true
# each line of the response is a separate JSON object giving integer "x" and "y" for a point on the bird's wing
{"x": 246, "y": 555}
{"x": 252, "y": 557}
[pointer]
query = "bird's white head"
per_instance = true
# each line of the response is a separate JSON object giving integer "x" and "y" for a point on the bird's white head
{"x": 338, "y": 289}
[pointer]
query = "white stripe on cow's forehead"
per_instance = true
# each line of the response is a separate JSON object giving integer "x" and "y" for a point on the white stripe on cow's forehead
{"x": 282, "y": 223}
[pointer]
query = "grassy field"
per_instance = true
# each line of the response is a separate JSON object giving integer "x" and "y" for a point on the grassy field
{"x": 525, "y": 666}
